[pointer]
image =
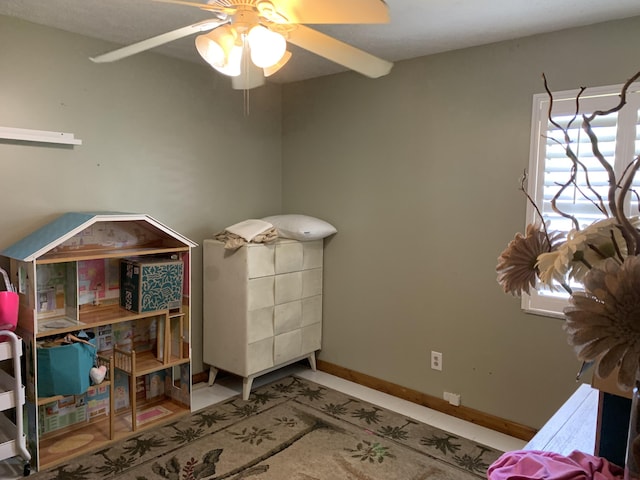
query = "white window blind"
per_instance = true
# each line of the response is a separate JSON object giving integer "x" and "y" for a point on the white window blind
{"x": 549, "y": 167}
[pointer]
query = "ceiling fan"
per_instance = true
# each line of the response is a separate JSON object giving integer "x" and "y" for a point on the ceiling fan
{"x": 247, "y": 39}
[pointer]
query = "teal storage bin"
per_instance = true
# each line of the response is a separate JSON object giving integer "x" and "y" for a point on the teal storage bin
{"x": 147, "y": 285}
{"x": 64, "y": 369}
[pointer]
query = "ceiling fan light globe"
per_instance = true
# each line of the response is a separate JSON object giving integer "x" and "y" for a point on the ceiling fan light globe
{"x": 210, "y": 51}
{"x": 234, "y": 61}
{"x": 216, "y": 46}
{"x": 267, "y": 47}
{"x": 274, "y": 68}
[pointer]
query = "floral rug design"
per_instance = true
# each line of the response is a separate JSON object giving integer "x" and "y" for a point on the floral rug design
{"x": 292, "y": 429}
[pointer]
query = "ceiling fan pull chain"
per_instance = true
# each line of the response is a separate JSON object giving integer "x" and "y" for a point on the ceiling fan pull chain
{"x": 245, "y": 72}
{"x": 245, "y": 95}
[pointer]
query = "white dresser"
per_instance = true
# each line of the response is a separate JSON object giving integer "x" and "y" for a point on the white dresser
{"x": 262, "y": 306}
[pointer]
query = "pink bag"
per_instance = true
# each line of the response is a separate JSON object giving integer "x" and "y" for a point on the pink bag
{"x": 539, "y": 465}
{"x": 9, "y": 302}
{"x": 8, "y": 310}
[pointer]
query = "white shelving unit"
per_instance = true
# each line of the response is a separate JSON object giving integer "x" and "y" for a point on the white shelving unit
{"x": 12, "y": 437}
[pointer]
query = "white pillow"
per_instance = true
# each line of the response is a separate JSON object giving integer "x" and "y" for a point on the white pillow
{"x": 300, "y": 227}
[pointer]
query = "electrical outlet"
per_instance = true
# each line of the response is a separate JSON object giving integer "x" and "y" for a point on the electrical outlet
{"x": 452, "y": 398}
{"x": 436, "y": 360}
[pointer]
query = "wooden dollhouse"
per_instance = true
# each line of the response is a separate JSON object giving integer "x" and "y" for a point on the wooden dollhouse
{"x": 121, "y": 282}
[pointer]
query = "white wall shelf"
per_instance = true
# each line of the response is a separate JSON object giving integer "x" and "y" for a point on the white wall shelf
{"x": 41, "y": 136}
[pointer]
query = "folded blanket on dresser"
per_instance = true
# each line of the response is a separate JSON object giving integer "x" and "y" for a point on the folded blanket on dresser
{"x": 252, "y": 230}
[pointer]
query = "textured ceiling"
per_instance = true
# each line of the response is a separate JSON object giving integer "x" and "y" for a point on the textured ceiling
{"x": 417, "y": 27}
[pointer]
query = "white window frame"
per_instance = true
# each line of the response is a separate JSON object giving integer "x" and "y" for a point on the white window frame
{"x": 545, "y": 302}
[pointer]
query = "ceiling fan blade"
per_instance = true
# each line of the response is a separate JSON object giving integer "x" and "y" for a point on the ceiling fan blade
{"x": 157, "y": 41}
{"x": 339, "y": 52}
{"x": 203, "y": 6}
{"x": 333, "y": 11}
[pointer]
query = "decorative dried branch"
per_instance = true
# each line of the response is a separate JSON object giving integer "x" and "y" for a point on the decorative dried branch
{"x": 633, "y": 244}
{"x": 633, "y": 191}
{"x": 599, "y": 204}
{"x": 563, "y": 187}
{"x": 523, "y": 181}
{"x": 586, "y": 126}
{"x": 617, "y": 193}
{"x": 622, "y": 103}
{"x": 616, "y": 246}
{"x": 551, "y": 120}
{"x": 571, "y": 155}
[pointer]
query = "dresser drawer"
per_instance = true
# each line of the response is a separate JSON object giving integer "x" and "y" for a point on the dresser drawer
{"x": 287, "y": 346}
{"x": 259, "y": 356}
{"x": 289, "y": 257}
{"x": 260, "y": 293}
{"x": 283, "y": 256}
{"x": 260, "y": 324}
{"x": 311, "y": 337}
{"x": 287, "y": 317}
{"x": 311, "y": 310}
{"x": 260, "y": 260}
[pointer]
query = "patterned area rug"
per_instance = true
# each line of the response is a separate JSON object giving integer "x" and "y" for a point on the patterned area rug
{"x": 292, "y": 429}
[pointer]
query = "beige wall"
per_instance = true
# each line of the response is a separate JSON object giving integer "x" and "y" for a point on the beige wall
{"x": 160, "y": 136}
{"x": 419, "y": 171}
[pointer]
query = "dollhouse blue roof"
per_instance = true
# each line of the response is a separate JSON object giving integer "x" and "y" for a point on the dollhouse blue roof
{"x": 66, "y": 226}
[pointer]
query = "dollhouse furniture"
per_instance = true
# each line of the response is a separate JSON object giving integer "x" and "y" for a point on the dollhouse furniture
{"x": 103, "y": 274}
{"x": 262, "y": 306}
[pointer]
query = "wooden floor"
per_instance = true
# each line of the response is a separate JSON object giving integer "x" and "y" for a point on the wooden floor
{"x": 572, "y": 427}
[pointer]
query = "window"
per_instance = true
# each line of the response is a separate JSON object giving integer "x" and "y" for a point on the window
{"x": 619, "y": 141}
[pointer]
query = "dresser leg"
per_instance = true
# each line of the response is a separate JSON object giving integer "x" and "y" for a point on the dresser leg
{"x": 213, "y": 371}
{"x": 246, "y": 387}
{"x": 312, "y": 361}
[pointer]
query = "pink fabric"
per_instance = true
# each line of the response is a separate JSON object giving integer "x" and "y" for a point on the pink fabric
{"x": 537, "y": 465}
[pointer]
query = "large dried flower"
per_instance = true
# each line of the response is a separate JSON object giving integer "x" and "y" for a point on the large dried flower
{"x": 604, "y": 320}
{"x": 516, "y": 267}
{"x": 553, "y": 267}
{"x": 583, "y": 250}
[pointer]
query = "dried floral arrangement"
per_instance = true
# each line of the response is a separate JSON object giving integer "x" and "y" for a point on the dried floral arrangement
{"x": 603, "y": 321}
